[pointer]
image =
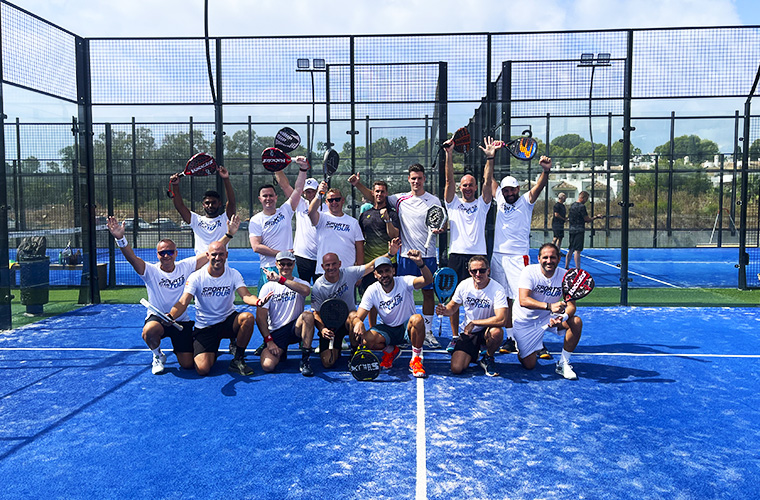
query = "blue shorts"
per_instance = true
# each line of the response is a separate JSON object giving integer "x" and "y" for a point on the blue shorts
{"x": 407, "y": 267}
{"x": 393, "y": 335}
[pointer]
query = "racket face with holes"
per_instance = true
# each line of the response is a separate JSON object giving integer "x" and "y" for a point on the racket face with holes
{"x": 334, "y": 313}
{"x": 364, "y": 365}
{"x": 436, "y": 217}
{"x": 462, "y": 140}
{"x": 200, "y": 165}
{"x": 445, "y": 282}
{"x": 274, "y": 159}
{"x": 576, "y": 284}
{"x": 287, "y": 140}
{"x": 331, "y": 161}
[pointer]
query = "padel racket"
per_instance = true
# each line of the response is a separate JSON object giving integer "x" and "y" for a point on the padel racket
{"x": 287, "y": 140}
{"x": 274, "y": 159}
{"x": 445, "y": 282}
{"x": 330, "y": 164}
{"x": 364, "y": 365}
{"x": 154, "y": 310}
{"x": 334, "y": 313}
{"x": 576, "y": 284}
{"x": 435, "y": 219}
{"x": 462, "y": 143}
{"x": 200, "y": 165}
{"x": 522, "y": 148}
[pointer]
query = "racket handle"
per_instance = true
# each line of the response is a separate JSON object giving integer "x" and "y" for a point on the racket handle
{"x": 430, "y": 236}
{"x": 332, "y": 343}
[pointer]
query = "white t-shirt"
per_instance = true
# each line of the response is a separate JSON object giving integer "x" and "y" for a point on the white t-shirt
{"x": 214, "y": 297}
{"x": 394, "y": 308}
{"x": 467, "y": 222}
{"x": 207, "y": 230}
{"x": 479, "y": 304}
{"x": 276, "y": 231}
{"x": 412, "y": 211}
{"x": 284, "y": 306}
{"x": 512, "y": 230}
{"x": 342, "y": 289}
{"x": 337, "y": 235}
{"x": 165, "y": 289}
{"x": 305, "y": 241}
{"x": 542, "y": 289}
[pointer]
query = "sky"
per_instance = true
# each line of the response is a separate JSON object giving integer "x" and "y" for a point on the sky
{"x": 168, "y": 18}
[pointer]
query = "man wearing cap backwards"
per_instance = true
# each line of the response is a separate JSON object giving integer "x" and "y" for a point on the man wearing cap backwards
{"x": 393, "y": 297}
{"x": 512, "y": 236}
{"x": 305, "y": 240}
{"x": 282, "y": 321}
{"x": 271, "y": 230}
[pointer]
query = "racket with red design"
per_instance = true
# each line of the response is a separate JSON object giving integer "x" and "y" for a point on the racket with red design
{"x": 576, "y": 284}
{"x": 200, "y": 165}
{"x": 274, "y": 159}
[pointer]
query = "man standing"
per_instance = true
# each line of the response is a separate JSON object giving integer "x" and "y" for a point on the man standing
{"x": 558, "y": 220}
{"x": 485, "y": 308}
{"x": 512, "y": 236}
{"x": 393, "y": 297}
{"x": 541, "y": 309}
{"x": 271, "y": 230}
{"x": 379, "y": 224}
{"x": 336, "y": 232}
{"x": 213, "y": 287}
{"x": 305, "y": 240}
{"x": 211, "y": 226}
{"x": 283, "y": 321}
{"x": 412, "y": 210}
{"x": 165, "y": 281}
{"x": 578, "y": 217}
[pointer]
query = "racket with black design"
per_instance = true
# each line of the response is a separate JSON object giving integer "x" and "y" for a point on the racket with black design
{"x": 576, "y": 284}
{"x": 334, "y": 313}
{"x": 445, "y": 281}
{"x": 524, "y": 147}
{"x": 330, "y": 164}
{"x": 274, "y": 159}
{"x": 200, "y": 165}
{"x": 435, "y": 219}
{"x": 287, "y": 140}
{"x": 364, "y": 365}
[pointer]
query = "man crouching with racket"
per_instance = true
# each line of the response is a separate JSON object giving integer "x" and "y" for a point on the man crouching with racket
{"x": 283, "y": 320}
{"x": 213, "y": 287}
{"x": 165, "y": 281}
{"x": 485, "y": 309}
{"x": 393, "y": 297}
{"x": 540, "y": 308}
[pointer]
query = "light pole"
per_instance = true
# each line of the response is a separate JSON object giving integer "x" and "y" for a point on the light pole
{"x": 587, "y": 61}
{"x": 311, "y": 67}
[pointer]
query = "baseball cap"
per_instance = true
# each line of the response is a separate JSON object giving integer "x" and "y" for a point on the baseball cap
{"x": 382, "y": 261}
{"x": 311, "y": 183}
{"x": 509, "y": 181}
{"x": 285, "y": 255}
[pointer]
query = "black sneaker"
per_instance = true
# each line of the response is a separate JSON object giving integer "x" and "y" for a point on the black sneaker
{"x": 489, "y": 365}
{"x": 305, "y": 368}
{"x": 544, "y": 354}
{"x": 260, "y": 349}
{"x": 238, "y": 365}
{"x": 508, "y": 347}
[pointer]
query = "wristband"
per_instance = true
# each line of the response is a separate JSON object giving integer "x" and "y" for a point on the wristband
{"x": 282, "y": 280}
{"x": 490, "y": 158}
{"x": 228, "y": 235}
{"x": 122, "y": 242}
{"x": 565, "y": 317}
{"x": 303, "y": 169}
{"x": 268, "y": 339}
{"x": 548, "y": 307}
{"x": 170, "y": 316}
{"x": 423, "y": 265}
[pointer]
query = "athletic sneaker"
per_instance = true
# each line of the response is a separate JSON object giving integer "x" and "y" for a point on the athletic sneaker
{"x": 508, "y": 346}
{"x": 238, "y": 365}
{"x": 158, "y": 364}
{"x": 452, "y": 345}
{"x": 389, "y": 357}
{"x": 544, "y": 354}
{"x": 415, "y": 366}
{"x": 489, "y": 365}
{"x": 431, "y": 341}
{"x": 566, "y": 370}
{"x": 305, "y": 368}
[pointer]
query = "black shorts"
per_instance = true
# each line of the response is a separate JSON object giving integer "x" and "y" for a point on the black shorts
{"x": 324, "y": 344}
{"x": 208, "y": 339}
{"x": 306, "y": 268}
{"x": 471, "y": 344}
{"x": 458, "y": 262}
{"x": 182, "y": 341}
{"x": 285, "y": 335}
{"x": 575, "y": 242}
{"x": 559, "y": 233}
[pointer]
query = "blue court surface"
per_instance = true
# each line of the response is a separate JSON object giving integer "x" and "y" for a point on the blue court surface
{"x": 667, "y": 406}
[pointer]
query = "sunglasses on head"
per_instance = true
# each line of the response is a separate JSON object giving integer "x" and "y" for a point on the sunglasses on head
{"x": 480, "y": 270}
{"x": 166, "y": 253}
{"x": 333, "y": 200}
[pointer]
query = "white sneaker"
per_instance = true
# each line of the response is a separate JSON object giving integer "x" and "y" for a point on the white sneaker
{"x": 431, "y": 341}
{"x": 566, "y": 370}
{"x": 158, "y": 364}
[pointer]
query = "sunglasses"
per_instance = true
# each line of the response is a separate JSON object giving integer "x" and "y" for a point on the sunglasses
{"x": 333, "y": 200}
{"x": 478, "y": 271}
{"x": 285, "y": 263}
{"x": 166, "y": 253}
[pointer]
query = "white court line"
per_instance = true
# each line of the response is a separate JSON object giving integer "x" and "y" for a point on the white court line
{"x": 421, "y": 486}
{"x": 632, "y": 272}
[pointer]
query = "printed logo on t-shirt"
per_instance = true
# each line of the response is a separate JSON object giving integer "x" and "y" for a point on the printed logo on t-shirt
{"x": 548, "y": 291}
{"x": 285, "y": 296}
{"x": 340, "y": 291}
{"x": 389, "y": 305}
{"x": 171, "y": 284}
{"x": 474, "y": 303}
{"x": 209, "y": 226}
{"x": 216, "y": 291}
{"x": 468, "y": 210}
{"x": 337, "y": 226}
{"x": 507, "y": 208}
{"x": 274, "y": 220}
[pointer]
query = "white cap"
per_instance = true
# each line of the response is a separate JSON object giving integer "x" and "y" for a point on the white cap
{"x": 509, "y": 181}
{"x": 311, "y": 183}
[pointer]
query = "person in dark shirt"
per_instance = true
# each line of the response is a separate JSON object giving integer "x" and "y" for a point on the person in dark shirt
{"x": 577, "y": 216}
{"x": 558, "y": 220}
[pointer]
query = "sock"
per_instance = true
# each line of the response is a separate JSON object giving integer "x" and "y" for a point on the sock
{"x": 428, "y": 322}
{"x": 305, "y": 353}
{"x": 565, "y": 357}
{"x": 416, "y": 352}
{"x": 157, "y": 351}
{"x": 389, "y": 348}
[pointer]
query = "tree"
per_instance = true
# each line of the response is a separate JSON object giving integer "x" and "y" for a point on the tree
{"x": 697, "y": 149}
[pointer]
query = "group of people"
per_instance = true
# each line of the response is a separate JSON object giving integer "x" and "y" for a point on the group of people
{"x": 508, "y": 303}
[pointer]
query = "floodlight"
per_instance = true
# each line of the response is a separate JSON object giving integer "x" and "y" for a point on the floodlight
{"x": 587, "y": 59}
{"x": 320, "y": 63}
{"x": 302, "y": 63}
{"x": 603, "y": 58}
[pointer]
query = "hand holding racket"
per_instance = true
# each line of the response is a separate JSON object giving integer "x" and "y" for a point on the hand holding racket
{"x": 445, "y": 282}
{"x": 522, "y": 148}
{"x": 165, "y": 319}
{"x": 435, "y": 220}
{"x": 200, "y": 165}
{"x": 461, "y": 140}
{"x": 334, "y": 313}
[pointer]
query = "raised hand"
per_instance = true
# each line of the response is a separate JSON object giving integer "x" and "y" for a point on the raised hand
{"x": 116, "y": 229}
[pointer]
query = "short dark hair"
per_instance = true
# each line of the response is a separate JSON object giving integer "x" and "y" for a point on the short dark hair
{"x": 550, "y": 244}
{"x": 478, "y": 258}
{"x": 380, "y": 183}
{"x": 267, "y": 186}
{"x": 416, "y": 167}
{"x": 212, "y": 194}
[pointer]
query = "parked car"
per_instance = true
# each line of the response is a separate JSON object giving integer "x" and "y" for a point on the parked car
{"x": 129, "y": 224}
{"x": 165, "y": 224}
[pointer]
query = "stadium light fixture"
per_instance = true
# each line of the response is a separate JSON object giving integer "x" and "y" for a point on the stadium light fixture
{"x": 320, "y": 63}
{"x": 302, "y": 63}
{"x": 603, "y": 59}
{"x": 587, "y": 59}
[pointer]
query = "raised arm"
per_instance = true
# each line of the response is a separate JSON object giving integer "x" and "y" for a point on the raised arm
{"x": 390, "y": 227}
{"x": 282, "y": 181}
{"x": 179, "y": 205}
{"x": 231, "y": 205}
{"x": 300, "y": 288}
{"x": 314, "y": 205}
{"x": 117, "y": 231}
{"x": 303, "y": 169}
{"x": 393, "y": 247}
{"x": 233, "y": 224}
{"x": 427, "y": 276}
{"x": 546, "y": 163}
{"x": 364, "y": 190}
{"x": 488, "y": 181}
{"x": 450, "y": 190}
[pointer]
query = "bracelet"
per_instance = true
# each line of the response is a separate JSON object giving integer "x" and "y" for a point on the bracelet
{"x": 303, "y": 169}
{"x": 268, "y": 338}
{"x": 228, "y": 235}
{"x": 122, "y": 242}
{"x": 565, "y": 317}
{"x": 282, "y": 280}
{"x": 423, "y": 265}
{"x": 548, "y": 307}
{"x": 490, "y": 157}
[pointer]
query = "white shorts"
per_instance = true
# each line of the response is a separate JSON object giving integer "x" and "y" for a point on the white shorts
{"x": 529, "y": 335}
{"x": 506, "y": 270}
